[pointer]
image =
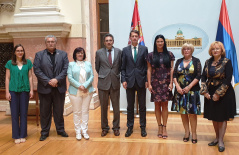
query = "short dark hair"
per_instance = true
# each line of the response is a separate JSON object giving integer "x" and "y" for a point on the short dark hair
{"x": 108, "y": 35}
{"x": 14, "y": 58}
{"x": 79, "y": 49}
{"x": 134, "y": 31}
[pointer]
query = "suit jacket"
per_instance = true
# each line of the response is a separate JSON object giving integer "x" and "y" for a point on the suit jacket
{"x": 73, "y": 74}
{"x": 131, "y": 71}
{"x": 108, "y": 75}
{"x": 44, "y": 72}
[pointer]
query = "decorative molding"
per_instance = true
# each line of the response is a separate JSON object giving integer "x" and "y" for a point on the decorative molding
{"x": 7, "y": 5}
{"x": 35, "y": 30}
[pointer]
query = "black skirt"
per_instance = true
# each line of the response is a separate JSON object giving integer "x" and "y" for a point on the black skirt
{"x": 222, "y": 110}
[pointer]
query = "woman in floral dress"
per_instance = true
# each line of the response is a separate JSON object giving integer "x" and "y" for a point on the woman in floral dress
{"x": 160, "y": 79}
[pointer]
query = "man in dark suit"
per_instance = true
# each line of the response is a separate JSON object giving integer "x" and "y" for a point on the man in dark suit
{"x": 50, "y": 67}
{"x": 134, "y": 78}
{"x": 107, "y": 65}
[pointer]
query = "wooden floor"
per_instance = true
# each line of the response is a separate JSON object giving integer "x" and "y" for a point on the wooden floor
{"x": 110, "y": 144}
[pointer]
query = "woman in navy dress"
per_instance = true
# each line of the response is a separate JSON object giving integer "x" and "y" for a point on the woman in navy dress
{"x": 187, "y": 73}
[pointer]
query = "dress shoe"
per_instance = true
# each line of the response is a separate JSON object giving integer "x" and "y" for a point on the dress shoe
{"x": 221, "y": 149}
{"x": 78, "y": 136}
{"x": 43, "y": 137}
{"x": 63, "y": 134}
{"x": 128, "y": 132}
{"x": 86, "y": 136}
{"x": 116, "y": 132}
{"x": 212, "y": 143}
{"x": 104, "y": 133}
{"x": 143, "y": 132}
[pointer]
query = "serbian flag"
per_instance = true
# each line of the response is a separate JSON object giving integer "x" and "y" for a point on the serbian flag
{"x": 224, "y": 35}
{"x": 136, "y": 24}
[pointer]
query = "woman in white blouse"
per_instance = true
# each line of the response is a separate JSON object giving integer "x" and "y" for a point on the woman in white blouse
{"x": 80, "y": 76}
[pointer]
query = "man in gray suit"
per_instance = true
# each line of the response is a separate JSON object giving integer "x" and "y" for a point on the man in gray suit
{"x": 107, "y": 65}
{"x": 50, "y": 68}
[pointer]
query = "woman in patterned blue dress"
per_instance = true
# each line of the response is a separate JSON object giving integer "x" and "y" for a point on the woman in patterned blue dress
{"x": 187, "y": 73}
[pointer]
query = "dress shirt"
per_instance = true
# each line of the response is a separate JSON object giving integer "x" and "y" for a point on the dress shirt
{"x": 112, "y": 54}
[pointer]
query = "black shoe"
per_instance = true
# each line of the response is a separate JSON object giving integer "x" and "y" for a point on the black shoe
{"x": 143, "y": 132}
{"x": 63, "y": 134}
{"x": 194, "y": 141}
{"x": 221, "y": 149}
{"x": 128, "y": 132}
{"x": 43, "y": 137}
{"x": 212, "y": 143}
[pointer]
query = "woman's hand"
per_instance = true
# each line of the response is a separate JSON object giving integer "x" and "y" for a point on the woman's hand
{"x": 150, "y": 88}
{"x": 186, "y": 89}
{"x": 8, "y": 96}
{"x": 82, "y": 88}
{"x": 207, "y": 96}
{"x": 170, "y": 86}
{"x": 215, "y": 97}
{"x": 179, "y": 90}
{"x": 31, "y": 94}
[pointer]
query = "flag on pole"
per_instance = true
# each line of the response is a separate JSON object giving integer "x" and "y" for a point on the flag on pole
{"x": 224, "y": 35}
{"x": 136, "y": 24}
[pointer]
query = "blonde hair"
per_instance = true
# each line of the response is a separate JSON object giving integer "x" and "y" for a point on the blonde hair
{"x": 220, "y": 44}
{"x": 187, "y": 45}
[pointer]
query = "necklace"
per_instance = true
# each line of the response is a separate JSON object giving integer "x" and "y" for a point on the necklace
{"x": 187, "y": 60}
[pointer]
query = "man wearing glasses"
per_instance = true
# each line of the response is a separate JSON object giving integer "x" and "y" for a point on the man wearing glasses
{"x": 50, "y": 68}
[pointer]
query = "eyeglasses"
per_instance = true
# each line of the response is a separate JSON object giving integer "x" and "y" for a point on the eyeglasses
{"x": 187, "y": 49}
{"x": 216, "y": 49}
{"x": 50, "y": 42}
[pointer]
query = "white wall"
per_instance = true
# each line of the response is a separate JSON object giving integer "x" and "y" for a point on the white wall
{"x": 158, "y": 14}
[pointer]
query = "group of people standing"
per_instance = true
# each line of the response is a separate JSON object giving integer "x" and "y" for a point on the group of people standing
{"x": 138, "y": 70}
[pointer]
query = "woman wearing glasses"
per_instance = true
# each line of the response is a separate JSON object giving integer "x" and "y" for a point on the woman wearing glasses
{"x": 19, "y": 87}
{"x": 219, "y": 101}
{"x": 187, "y": 73}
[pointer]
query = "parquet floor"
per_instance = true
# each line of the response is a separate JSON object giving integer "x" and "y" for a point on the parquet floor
{"x": 110, "y": 144}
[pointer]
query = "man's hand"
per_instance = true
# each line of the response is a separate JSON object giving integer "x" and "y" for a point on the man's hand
{"x": 125, "y": 85}
{"x": 53, "y": 82}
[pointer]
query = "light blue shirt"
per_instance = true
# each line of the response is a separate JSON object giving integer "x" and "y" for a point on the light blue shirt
{"x": 112, "y": 54}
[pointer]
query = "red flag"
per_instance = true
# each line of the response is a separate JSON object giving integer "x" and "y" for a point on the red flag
{"x": 136, "y": 24}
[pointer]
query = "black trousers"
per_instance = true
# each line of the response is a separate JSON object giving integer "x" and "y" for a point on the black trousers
{"x": 54, "y": 100}
{"x": 141, "y": 93}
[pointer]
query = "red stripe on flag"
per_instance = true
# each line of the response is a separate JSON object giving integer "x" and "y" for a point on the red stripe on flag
{"x": 224, "y": 19}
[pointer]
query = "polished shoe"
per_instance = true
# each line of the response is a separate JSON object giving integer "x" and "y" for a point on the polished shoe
{"x": 128, "y": 132}
{"x": 78, "y": 136}
{"x": 17, "y": 141}
{"x": 86, "y": 136}
{"x": 143, "y": 132}
{"x": 63, "y": 134}
{"x": 43, "y": 137}
{"x": 194, "y": 141}
{"x": 104, "y": 133}
{"x": 212, "y": 143}
{"x": 221, "y": 149}
{"x": 116, "y": 132}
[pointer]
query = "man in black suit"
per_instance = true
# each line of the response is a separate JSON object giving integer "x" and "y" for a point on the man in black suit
{"x": 50, "y": 68}
{"x": 134, "y": 78}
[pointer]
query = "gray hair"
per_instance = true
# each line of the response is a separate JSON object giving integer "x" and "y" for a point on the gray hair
{"x": 50, "y": 36}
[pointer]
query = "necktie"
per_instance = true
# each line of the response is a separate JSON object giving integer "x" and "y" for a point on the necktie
{"x": 109, "y": 57}
{"x": 135, "y": 54}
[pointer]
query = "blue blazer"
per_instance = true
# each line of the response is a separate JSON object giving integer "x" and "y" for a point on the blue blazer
{"x": 73, "y": 74}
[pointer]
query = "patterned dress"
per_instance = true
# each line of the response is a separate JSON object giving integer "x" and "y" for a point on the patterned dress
{"x": 187, "y": 103}
{"x": 160, "y": 80}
